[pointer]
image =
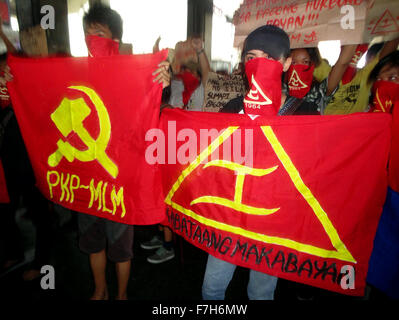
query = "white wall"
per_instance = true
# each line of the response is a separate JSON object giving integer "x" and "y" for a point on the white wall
{"x": 145, "y": 21}
{"x": 76, "y": 11}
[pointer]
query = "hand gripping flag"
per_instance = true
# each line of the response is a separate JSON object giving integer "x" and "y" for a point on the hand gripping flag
{"x": 295, "y": 197}
{"x": 84, "y": 122}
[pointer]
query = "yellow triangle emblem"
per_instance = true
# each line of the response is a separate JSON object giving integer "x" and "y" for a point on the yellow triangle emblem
{"x": 295, "y": 82}
{"x": 256, "y": 95}
{"x": 339, "y": 252}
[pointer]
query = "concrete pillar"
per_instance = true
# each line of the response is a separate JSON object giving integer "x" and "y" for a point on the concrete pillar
{"x": 28, "y": 14}
{"x": 199, "y": 21}
{"x": 24, "y": 12}
{"x": 58, "y": 38}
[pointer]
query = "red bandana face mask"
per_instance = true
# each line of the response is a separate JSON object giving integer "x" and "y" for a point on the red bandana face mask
{"x": 101, "y": 47}
{"x": 385, "y": 94}
{"x": 350, "y": 71}
{"x": 300, "y": 78}
{"x": 264, "y": 96}
{"x": 190, "y": 83}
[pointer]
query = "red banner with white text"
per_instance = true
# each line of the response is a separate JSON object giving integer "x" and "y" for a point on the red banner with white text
{"x": 84, "y": 122}
{"x": 298, "y": 197}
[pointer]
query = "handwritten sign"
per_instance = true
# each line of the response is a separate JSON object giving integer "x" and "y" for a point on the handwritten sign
{"x": 382, "y": 20}
{"x": 306, "y": 21}
{"x": 220, "y": 89}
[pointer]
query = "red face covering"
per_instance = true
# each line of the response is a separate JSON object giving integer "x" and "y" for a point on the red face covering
{"x": 350, "y": 71}
{"x": 101, "y": 47}
{"x": 264, "y": 97}
{"x": 190, "y": 83}
{"x": 300, "y": 78}
{"x": 385, "y": 94}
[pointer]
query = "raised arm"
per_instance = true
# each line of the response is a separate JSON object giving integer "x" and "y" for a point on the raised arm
{"x": 389, "y": 47}
{"x": 197, "y": 44}
{"x": 340, "y": 66}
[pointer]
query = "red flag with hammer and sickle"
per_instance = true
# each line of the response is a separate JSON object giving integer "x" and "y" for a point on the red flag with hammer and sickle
{"x": 84, "y": 122}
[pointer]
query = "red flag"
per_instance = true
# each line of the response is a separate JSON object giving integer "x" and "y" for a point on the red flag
{"x": 303, "y": 205}
{"x": 386, "y": 100}
{"x": 84, "y": 122}
{"x": 394, "y": 154}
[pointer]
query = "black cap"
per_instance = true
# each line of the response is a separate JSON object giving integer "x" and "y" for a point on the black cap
{"x": 270, "y": 39}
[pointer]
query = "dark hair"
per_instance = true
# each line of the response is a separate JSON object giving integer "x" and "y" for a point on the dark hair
{"x": 314, "y": 55}
{"x": 374, "y": 49}
{"x": 391, "y": 60}
{"x": 102, "y": 14}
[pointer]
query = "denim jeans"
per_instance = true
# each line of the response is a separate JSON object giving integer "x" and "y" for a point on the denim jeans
{"x": 219, "y": 273}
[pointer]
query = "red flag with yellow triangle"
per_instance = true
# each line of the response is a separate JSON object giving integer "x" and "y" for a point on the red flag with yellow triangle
{"x": 295, "y": 197}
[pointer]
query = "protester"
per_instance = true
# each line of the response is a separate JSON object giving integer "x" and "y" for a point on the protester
{"x": 310, "y": 87}
{"x": 256, "y": 46}
{"x": 300, "y": 76}
{"x": 265, "y": 55}
{"x": 385, "y": 79}
{"x": 354, "y": 96}
{"x": 190, "y": 68}
{"x": 103, "y": 31}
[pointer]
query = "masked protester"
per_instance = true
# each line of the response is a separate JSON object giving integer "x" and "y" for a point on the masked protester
{"x": 190, "y": 67}
{"x": 385, "y": 90}
{"x": 103, "y": 33}
{"x": 300, "y": 74}
{"x": 103, "y": 29}
{"x": 355, "y": 89}
{"x": 300, "y": 79}
{"x": 265, "y": 57}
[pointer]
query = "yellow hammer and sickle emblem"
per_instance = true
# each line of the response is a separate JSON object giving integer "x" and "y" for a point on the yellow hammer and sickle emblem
{"x": 69, "y": 117}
